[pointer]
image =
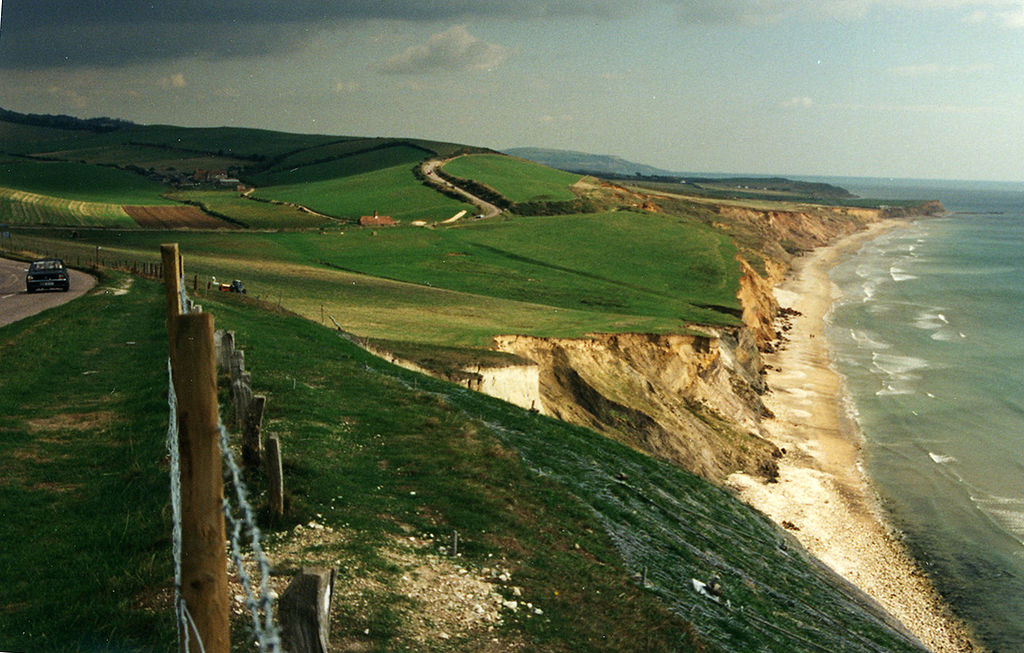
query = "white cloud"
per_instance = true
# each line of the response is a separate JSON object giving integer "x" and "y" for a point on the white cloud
{"x": 1013, "y": 19}
{"x": 800, "y": 102}
{"x": 454, "y": 50}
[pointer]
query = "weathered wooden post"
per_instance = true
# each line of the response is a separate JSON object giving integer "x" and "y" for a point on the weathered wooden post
{"x": 252, "y": 445}
{"x": 227, "y": 343}
{"x": 305, "y": 611}
{"x": 204, "y": 583}
{"x": 172, "y": 282}
{"x": 275, "y": 477}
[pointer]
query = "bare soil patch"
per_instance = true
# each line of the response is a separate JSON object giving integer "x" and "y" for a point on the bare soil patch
{"x": 174, "y": 217}
{"x": 72, "y": 421}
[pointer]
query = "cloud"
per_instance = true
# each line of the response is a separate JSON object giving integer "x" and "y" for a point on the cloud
{"x": 43, "y": 33}
{"x": 82, "y": 33}
{"x": 801, "y": 102}
{"x": 177, "y": 80}
{"x": 454, "y": 50}
{"x": 1013, "y": 19}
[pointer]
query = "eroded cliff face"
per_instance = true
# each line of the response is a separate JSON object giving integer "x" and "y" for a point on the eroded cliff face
{"x": 694, "y": 400}
{"x": 690, "y": 399}
{"x": 758, "y": 301}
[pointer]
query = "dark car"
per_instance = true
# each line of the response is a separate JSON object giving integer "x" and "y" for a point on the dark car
{"x": 47, "y": 273}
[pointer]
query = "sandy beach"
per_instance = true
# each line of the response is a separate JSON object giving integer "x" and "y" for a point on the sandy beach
{"x": 823, "y": 496}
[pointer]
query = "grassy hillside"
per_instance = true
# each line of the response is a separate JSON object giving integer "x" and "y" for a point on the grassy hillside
{"x": 622, "y": 272}
{"x": 304, "y": 168}
{"x": 386, "y": 463}
{"x": 517, "y": 180}
{"x": 122, "y": 163}
{"x": 393, "y": 191}
{"x": 78, "y": 181}
{"x": 20, "y": 207}
{"x": 249, "y": 212}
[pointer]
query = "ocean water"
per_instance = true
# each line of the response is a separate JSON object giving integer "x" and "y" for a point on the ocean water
{"x": 929, "y": 334}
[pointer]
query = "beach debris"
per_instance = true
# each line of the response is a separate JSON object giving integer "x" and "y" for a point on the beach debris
{"x": 788, "y": 525}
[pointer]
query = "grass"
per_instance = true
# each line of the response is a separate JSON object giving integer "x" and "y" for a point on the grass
{"x": 82, "y": 492}
{"x": 290, "y": 173}
{"x": 461, "y": 286}
{"x": 79, "y": 181}
{"x": 516, "y": 179}
{"x": 147, "y": 157}
{"x": 20, "y": 207}
{"x": 390, "y": 462}
{"x": 238, "y": 142}
{"x": 393, "y": 191}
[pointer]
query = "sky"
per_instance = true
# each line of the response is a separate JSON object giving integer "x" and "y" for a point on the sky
{"x": 894, "y": 88}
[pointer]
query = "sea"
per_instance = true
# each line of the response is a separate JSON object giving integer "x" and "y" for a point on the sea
{"x": 929, "y": 335}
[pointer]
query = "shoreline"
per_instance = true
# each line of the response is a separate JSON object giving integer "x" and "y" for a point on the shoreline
{"x": 824, "y": 497}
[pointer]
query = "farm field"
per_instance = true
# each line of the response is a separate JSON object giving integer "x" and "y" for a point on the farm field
{"x": 160, "y": 159}
{"x": 516, "y": 179}
{"x": 20, "y": 207}
{"x": 461, "y": 286}
{"x": 174, "y": 217}
{"x": 293, "y": 171}
{"x": 251, "y": 213}
{"x": 393, "y": 191}
{"x": 79, "y": 181}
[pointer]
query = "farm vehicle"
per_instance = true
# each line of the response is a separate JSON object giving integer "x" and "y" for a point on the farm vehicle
{"x": 234, "y": 286}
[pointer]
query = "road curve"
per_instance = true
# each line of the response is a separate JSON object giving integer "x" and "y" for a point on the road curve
{"x": 16, "y": 303}
{"x": 429, "y": 169}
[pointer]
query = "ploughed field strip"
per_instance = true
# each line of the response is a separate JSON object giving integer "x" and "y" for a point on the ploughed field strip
{"x": 23, "y": 207}
{"x": 175, "y": 217}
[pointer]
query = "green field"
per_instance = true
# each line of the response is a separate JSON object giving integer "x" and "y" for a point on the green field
{"x": 461, "y": 286}
{"x": 393, "y": 191}
{"x": 159, "y": 159}
{"x": 79, "y": 181}
{"x": 291, "y": 171}
{"x": 517, "y": 180}
{"x": 20, "y": 207}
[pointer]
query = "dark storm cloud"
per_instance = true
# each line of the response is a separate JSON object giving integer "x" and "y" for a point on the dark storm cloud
{"x": 42, "y": 33}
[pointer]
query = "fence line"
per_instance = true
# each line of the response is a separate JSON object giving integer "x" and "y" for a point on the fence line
{"x": 212, "y": 627}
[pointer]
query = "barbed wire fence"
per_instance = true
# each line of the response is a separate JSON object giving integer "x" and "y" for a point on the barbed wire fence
{"x": 200, "y": 507}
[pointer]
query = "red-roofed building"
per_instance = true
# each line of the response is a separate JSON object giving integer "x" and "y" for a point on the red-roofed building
{"x": 377, "y": 220}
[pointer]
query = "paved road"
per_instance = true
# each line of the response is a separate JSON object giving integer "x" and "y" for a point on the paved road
{"x": 16, "y": 304}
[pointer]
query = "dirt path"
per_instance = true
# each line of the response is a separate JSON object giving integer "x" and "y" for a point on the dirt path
{"x": 430, "y": 171}
{"x": 16, "y": 303}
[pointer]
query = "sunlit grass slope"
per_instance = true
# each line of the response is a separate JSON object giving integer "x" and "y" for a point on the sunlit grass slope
{"x": 550, "y": 276}
{"x": 517, "y": 180}
{"x": 393, "y": 191}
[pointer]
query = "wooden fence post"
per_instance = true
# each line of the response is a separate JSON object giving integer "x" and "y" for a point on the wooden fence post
{"x": 305, "y": 611}
{"x": 172, "y": 280}
{"x": 204, "y": 583}
{"x": 252, "y": 446}
{"x": 275, "y": 477}
{"x": 227, "y": 343}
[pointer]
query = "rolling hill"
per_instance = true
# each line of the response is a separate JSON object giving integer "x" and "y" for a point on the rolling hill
{"x": 622, "y": 324}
